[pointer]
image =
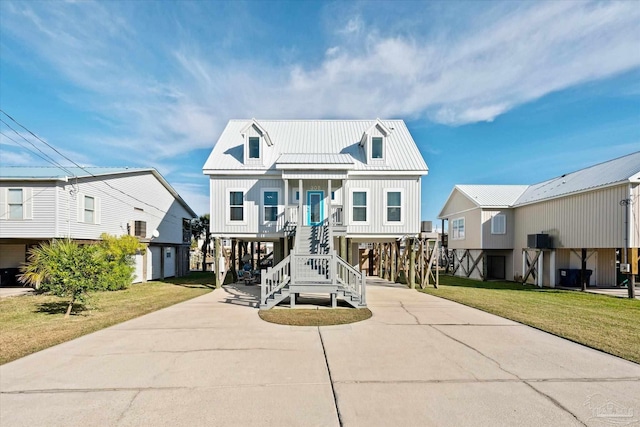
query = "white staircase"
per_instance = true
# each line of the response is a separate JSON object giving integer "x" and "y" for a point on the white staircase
{"x": 313, "y": 267}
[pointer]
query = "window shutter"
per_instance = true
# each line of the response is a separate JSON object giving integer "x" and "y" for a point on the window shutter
{"x": 27, "y": 203}
{"x": 4, "y": 208}
{"x": 97, "y": 210}
{"x": 80, "y": 201}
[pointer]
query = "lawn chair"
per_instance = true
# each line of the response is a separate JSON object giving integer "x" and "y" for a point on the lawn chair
{"x": 247, "y": 277}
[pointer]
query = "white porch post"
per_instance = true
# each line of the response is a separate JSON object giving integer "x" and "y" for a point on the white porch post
{"x": 344, "y": 203}
{"x": 541, "y": 269}
{"x": 300, "y": 197}
{"x": 329, "y": 201}
{"x": 286, "y": 201}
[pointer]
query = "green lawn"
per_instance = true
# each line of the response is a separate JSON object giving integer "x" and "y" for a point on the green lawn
{"x": 602, "y": 322}
{"x": 34, "y": 322}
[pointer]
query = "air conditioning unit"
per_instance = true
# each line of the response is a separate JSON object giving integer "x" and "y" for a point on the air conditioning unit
{"x": 538, "y": 241}
{"x": 138, "y": 229}
{"x": 625, "y": 268}
{"x": 426, "y": 226}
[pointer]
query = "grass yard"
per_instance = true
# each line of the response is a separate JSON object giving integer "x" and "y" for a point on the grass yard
{"x": 601, "y": 322}
{"x": 314, "y": 317}
{"x": 34, "y": 322}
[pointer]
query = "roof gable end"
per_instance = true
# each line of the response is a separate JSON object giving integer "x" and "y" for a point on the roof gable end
{"x": 261, "y": 130}
{"x": 381, "y": 127}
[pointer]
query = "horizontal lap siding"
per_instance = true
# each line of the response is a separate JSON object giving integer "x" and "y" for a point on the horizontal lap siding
{"x": 118, "y": 209}
{"x": 42, "y": 224}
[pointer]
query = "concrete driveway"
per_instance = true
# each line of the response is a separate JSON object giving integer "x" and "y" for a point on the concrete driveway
{"x": 419, "y": 361}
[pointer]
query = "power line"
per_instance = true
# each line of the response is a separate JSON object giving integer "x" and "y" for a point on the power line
{"x": 48, "y": 158}
{"x": 31, "y": 151}
{"x": 67, "y": 158}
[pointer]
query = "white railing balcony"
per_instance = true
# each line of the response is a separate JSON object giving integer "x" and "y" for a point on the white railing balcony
{"x": 337, "y": 215}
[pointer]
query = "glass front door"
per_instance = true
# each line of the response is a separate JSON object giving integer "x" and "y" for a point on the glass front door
{"x": 315, "y": 207}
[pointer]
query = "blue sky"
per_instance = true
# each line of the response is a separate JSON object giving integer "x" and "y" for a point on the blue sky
{"x": 493, "y": 92}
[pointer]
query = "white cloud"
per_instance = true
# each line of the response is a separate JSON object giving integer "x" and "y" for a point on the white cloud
{"x": 474, "y": 73}
{"x": 10, "y": 158}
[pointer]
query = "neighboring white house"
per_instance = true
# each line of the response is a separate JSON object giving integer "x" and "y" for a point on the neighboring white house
{"x": 44, "y": 203}
{"x": 313, "y": 186}
{"x": 535, "y": 231}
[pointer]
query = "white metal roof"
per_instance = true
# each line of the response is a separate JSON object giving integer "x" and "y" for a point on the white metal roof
{"x": 492, "y": 195}
{"x": 317, "y": 138}
{"x": 622, "y": 169}
{"x": 324, "y": 158}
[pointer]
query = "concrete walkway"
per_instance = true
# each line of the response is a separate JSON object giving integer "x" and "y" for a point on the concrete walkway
{"x": 419, "y": 361}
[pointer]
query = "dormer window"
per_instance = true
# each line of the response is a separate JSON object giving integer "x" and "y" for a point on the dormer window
{"x": 373, "y": 141}
{"x": 254, "y": 147}
{"x": 256, "y": 143}
{"x": 376, "y": 148}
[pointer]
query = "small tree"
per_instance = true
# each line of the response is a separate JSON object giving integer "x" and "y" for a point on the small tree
{"x": 118, "y": 263}
{"x": 200, "y": 228}
{"x": 63, "y": 268}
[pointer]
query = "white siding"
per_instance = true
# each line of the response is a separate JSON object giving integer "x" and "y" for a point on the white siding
{"x": 117, "y": 210}
{"x": 377, "y": 206}
{"x": 153, "y": 263}
{"x": 42, "y": 203}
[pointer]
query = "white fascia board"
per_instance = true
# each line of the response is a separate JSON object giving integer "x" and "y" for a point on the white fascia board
{"x": 313, "y": 166}
{"x": 408, "y": 173}
{"x": 244, "y": 172}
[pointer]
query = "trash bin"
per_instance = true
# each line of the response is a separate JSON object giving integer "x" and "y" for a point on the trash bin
{"x": 570, "y": 277}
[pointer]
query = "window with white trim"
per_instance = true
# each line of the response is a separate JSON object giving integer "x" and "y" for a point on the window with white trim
{"x": 376, "y": 148}
{"x": 254, "y": 147}
{"x": 457, "y": 229}
{"x": 15, "y": 202}
{"x": 270, "y": 205}
{"x": 236, "y": 206}
{"x": 89, "y": 210}
{"x": 499, "y": 224}
{"x": 359, "y": 206}
{"x": 394, "y": 206}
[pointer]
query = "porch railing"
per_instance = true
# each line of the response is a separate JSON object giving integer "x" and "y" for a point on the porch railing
{"x": 337, "y": 215}
{"x": 313, "y": 269}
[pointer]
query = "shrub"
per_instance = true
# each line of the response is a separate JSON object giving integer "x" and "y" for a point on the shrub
{"x": 117, "y": 256}
{"x": 63, "y": 268}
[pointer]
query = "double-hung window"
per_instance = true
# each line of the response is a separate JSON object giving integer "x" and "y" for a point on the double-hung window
{"x": 499, "y": 224}
{"x": 457, "y": 228}
{"x": 89, "y": 210}
{"x": 394, "y": 206}
{"x": 236, "y": 206}
{"x": 359, "y": 204}
{"x": 15, "y": 199}
{"x": 270, "y": 205}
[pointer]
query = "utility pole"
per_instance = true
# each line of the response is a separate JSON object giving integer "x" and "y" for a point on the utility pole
{"x": 625, "y": 203}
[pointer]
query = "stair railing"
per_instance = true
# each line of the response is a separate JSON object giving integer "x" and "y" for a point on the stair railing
{"x": 274, "y": 279}
{"x": 353, "y": 280}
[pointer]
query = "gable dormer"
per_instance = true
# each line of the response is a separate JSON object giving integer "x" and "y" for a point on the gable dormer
{"x": 256, "y": 140}
{"x": 374, "y": 141}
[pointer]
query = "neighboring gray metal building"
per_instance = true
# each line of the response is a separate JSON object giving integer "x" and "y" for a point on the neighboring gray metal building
{"x": 578, "y": 210}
